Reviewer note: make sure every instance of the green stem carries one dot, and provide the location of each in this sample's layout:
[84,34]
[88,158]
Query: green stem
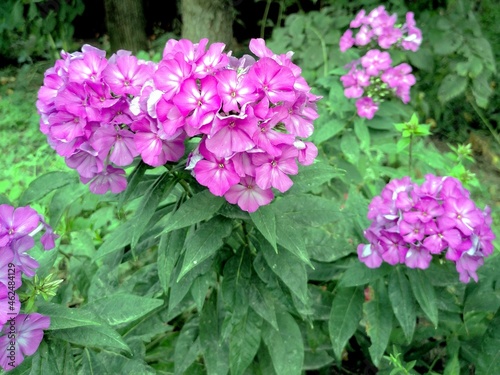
[264,18]
[484,119]
[323,49]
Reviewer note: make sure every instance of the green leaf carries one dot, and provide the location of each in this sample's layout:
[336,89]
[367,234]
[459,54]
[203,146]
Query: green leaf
[423,290]
[445,43]
[361,131]
[169,250]
[214,352]
[326,130]
[45,184]
[200,288]
[402,302]
[285,345]
[122,308]
[451,86]
[265,221]
[481,89]
[378,316]
[201,206]
[488,362]
[205,242]
[346,313]
[350,148]
[62,199]
[101,337]
[288,268]
[115,241]
[153,196]
[236,282]
[187,346]
[312,176]
[453,367]
[244,342]
[262,302]
[358,274]
[132,182]
[62,317]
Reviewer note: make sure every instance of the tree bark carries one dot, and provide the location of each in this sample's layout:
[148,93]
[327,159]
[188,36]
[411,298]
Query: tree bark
[126,25]
[212,19]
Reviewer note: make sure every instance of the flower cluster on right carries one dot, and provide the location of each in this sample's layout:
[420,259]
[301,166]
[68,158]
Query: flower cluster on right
[412,223]
[372,79]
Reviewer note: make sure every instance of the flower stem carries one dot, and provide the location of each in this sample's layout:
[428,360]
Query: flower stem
[323,48]
[410,158]
[264,19]
[484,119]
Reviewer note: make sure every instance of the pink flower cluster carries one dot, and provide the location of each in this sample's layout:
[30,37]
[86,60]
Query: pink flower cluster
[84,107]
[372,79]
[251,117]
[21,334]
[412,223]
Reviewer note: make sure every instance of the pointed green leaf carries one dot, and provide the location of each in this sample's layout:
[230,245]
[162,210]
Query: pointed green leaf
[488,362]
[200,288]
[62,317]
[236,283]
[101,336]
[45,184]
[132,181]
[118,239]
[201,206]
[147,207]
[262,303]
[122,308]
[359,274]
[347,311]
[378,316]
[402,302]
[187,347]
[205,242]
[285,345]
[244,342]
[169,250]
[214,352]
[312,176]
[292,240]
[289,269]
[423,290]
[265,221]
[361,131]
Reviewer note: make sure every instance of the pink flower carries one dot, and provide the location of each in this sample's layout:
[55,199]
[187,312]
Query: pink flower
[16,222]
[274,171]
[346,41]
[28,331]
[126,76]
[274,81]
[248,195]
[366,107]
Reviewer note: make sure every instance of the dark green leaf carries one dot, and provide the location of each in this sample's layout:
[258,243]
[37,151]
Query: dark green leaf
[169,250]
[312,176]
[451,86]
[122,308]
[205,242]
[153,196]
[201,206]
[402,302]
[132,181]
[44,184]
[119,238]
[62,317]
[187,347]
[285,345]
[424,292]
[265,221]
[378,316]
[244,342]
[347,311]
[359,274]
[261,301]
[488,362]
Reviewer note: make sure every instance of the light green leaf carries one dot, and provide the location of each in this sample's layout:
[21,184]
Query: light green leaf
[378,316]
[350,148]
[402,302]
[346,313]
[201,206]
[361,131]
[285,345]
[45,184]
[312,176]
[244,342]
[118,239]
[122,308]
[62,199]
[451,86]
[265,221]
[326,130]
[359,274]
[205,242]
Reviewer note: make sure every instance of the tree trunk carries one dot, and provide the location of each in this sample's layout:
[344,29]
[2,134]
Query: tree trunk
[126,25]
[212,19]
